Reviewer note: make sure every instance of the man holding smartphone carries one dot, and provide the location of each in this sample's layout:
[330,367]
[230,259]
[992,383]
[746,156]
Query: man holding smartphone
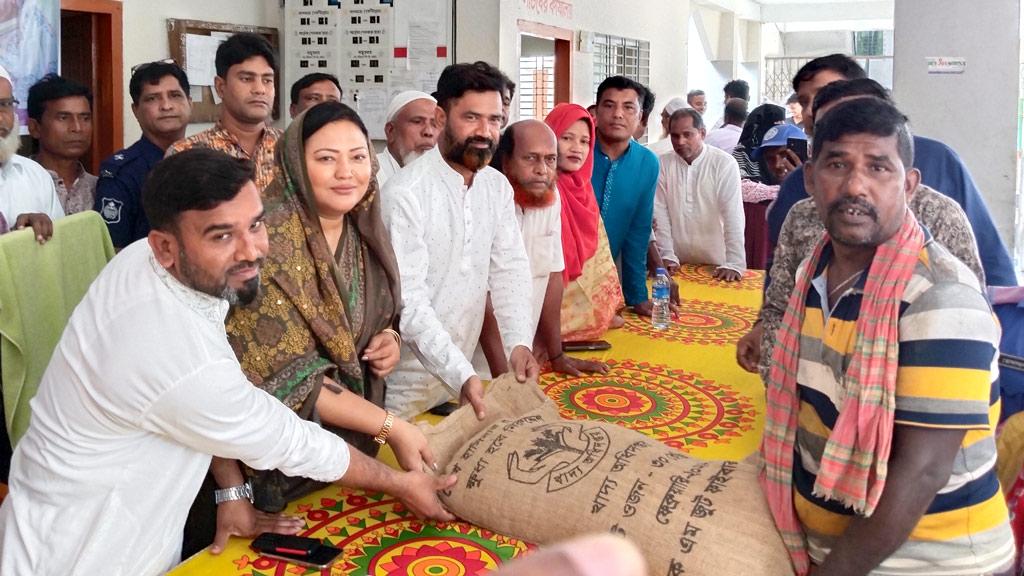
[143,388]
[784,149]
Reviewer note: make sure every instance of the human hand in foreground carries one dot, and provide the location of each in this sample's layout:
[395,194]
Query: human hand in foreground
[241,518]
[473,393]
[748,349]
[38,222]
[382,354]
[523,364]
[727,275]
[564,364]
[418,492]
[410,447]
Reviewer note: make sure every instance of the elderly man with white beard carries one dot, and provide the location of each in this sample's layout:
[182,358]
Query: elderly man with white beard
[410,129]
[27,194]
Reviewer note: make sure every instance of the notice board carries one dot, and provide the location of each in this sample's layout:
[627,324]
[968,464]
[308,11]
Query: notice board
[376,48]
[181,39]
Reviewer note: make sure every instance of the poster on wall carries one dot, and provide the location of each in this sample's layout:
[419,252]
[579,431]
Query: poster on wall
[376,48]
[29,45]
[312,36]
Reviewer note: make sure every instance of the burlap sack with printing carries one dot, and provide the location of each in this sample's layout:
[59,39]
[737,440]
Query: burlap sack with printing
[527,473]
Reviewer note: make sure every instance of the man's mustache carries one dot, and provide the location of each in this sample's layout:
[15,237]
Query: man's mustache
[855,204]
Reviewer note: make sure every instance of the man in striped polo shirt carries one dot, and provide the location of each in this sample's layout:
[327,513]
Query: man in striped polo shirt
[883,394]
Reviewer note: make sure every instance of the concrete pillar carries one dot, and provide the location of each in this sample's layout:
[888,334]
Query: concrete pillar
[974,112]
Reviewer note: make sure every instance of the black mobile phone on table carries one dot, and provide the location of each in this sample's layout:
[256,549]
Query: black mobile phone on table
[296,549]
[586,345]
[798,146]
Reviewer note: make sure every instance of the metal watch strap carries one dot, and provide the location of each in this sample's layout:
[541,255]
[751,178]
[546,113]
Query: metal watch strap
[234,493]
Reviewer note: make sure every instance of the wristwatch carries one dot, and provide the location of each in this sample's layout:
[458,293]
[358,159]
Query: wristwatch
[233,493]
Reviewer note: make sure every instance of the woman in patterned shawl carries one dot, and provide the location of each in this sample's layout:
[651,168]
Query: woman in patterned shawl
[320,337]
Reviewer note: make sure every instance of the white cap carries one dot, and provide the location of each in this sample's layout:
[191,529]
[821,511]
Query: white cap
[677,103]
[400,100]
[6,76]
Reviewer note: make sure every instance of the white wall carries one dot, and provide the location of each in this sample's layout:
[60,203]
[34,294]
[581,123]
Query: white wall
[489,30]
[703,72]
[145,35]
[974,112]
[817,43]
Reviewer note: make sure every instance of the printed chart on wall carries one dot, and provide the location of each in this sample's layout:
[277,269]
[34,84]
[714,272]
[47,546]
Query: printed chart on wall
[376,48]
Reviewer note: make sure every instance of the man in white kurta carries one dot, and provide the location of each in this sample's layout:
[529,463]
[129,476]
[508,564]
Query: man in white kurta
[453,226]
[25,187]
[143,388]
[409,130]
[453,242]
[698,208]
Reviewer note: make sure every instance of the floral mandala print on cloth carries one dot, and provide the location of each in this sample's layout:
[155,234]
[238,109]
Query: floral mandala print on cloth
[682,409]
[698,322]
[704,274]
[379,537]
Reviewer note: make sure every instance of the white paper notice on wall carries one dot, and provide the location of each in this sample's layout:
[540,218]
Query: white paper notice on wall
[946,64]
[200,54]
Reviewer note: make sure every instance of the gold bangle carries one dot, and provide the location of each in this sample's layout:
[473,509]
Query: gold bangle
[394,334]
[385,430]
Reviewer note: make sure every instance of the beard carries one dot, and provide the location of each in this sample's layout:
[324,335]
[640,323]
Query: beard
[10,143]
[528,199]
[411,157]
[467,155]
[200,280]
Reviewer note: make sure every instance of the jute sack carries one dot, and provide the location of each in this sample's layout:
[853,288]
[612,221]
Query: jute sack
[527,473]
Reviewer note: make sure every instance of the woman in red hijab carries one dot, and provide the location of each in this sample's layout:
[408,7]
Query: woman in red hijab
[592,294]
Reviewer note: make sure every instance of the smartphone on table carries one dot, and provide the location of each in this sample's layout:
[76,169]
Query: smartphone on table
[296,549]
[798,146]
[586,345]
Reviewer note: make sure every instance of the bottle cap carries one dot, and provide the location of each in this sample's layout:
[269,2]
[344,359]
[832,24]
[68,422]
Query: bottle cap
[661,271]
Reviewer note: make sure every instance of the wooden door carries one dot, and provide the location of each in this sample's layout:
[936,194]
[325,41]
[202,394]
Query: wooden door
[92,54]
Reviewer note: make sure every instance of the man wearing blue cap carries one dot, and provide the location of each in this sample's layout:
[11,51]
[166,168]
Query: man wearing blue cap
[778,157]
[698,209]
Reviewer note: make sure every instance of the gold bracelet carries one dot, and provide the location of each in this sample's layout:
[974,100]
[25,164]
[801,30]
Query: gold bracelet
[395,334]
[382,436]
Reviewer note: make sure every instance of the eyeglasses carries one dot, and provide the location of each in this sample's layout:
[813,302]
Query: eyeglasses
[145,65]
[8,104]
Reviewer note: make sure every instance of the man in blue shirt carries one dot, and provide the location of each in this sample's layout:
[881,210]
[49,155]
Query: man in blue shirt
[161,104]
[941,169]
[624,179]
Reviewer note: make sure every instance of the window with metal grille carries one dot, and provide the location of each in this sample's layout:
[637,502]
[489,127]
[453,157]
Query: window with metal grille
[536,87]
[616,56]
[868,43]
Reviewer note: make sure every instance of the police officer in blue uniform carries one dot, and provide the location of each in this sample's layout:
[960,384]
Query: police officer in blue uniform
[162,106]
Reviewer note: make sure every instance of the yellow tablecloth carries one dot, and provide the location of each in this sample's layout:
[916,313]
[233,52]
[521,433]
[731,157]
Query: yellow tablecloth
[681,386]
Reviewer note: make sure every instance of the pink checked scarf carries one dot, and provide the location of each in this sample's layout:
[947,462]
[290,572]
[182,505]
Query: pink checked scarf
[855,461]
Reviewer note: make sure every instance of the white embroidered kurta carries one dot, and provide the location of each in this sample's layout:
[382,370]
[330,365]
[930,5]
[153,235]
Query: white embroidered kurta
[542,237]
[27,187]
[388,167]
[453,244]
[698,210]
[142,388]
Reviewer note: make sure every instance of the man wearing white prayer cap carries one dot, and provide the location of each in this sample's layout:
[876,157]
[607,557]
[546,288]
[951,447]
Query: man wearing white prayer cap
[27,194]
[665,144]
[410,131]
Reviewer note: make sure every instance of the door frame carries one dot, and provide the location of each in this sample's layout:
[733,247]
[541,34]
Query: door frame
[563,54]
[108,72]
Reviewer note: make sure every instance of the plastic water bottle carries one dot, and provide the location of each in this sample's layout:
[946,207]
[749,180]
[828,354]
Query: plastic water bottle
[661,315]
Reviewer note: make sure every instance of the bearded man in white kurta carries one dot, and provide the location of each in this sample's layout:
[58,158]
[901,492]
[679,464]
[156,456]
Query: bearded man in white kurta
[453,226]
[143,388]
